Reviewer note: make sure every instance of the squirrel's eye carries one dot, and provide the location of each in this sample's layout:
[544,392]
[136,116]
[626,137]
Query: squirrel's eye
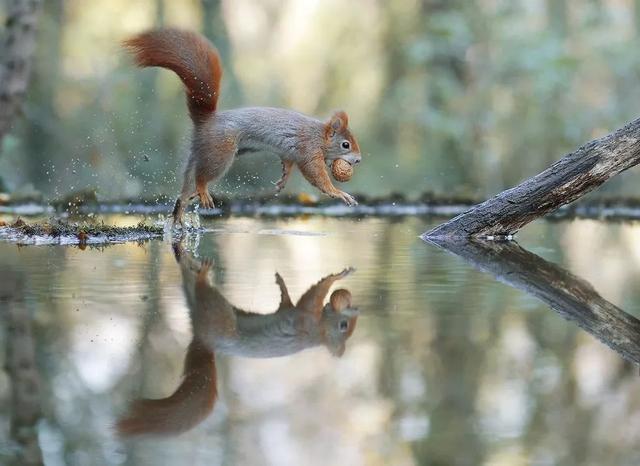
[345,144]
[344,325]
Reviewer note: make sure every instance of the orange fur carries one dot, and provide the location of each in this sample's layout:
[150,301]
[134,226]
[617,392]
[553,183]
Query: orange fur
[192,401]
[315,172]
[339,123]
[193,58]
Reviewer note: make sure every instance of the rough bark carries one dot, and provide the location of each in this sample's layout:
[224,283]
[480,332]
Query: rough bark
[18,48]
[568,179]
[570,296]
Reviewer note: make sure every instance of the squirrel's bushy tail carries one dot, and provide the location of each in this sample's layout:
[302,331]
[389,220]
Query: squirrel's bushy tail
[191,403]
[191,56]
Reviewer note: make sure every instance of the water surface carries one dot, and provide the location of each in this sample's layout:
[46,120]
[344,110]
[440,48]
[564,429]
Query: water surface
[431,362]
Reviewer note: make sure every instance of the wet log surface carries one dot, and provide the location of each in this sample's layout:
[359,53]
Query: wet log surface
[570,296]
[570,178]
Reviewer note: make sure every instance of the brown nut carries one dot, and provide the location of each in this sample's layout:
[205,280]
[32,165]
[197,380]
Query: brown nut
[341,170]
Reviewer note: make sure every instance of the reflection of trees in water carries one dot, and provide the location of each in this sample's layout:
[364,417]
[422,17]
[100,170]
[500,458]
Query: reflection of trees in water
[454,366]
[444,353]
[72,412]
[151,360]
[21,369]
[457,369]
[430,320]
[560,409]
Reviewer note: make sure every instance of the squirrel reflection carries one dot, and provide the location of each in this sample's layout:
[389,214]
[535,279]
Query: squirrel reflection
[220,327]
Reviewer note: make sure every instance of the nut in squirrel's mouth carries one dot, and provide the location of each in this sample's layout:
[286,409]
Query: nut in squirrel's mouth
[330,162]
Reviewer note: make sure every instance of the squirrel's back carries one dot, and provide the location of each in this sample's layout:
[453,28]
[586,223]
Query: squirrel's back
[191,56]
[272,335]
[277,130]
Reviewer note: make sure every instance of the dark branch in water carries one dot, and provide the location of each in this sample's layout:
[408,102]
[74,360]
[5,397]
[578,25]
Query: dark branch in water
[568,179]
[570,296]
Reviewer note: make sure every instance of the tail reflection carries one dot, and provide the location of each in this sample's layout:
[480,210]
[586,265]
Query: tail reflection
[218,326]
[189,405]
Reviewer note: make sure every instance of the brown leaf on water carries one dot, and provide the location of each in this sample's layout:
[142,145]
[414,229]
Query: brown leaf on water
[307,199]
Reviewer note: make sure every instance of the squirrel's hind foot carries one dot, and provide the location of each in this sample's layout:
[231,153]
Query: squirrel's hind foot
[206,201]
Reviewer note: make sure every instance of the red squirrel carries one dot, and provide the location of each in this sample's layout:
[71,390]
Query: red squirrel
[219,327]
[220,136]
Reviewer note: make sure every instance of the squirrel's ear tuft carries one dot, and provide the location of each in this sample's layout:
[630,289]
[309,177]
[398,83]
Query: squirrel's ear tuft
[339,121]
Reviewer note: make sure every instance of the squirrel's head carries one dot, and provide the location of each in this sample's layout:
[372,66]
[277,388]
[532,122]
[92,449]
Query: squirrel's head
[339,320]
[339,142]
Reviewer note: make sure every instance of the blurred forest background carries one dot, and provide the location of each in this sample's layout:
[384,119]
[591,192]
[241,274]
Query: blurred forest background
[451,96]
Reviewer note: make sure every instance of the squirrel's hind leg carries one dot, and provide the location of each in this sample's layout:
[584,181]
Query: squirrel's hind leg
[287,166]
[178,211]
[179,207]
[202,192]
[186,195]
[210,168]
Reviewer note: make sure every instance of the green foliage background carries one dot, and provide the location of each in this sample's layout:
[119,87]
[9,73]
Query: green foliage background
[454,97]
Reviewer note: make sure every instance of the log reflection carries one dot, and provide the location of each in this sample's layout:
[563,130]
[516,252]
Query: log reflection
[570,296]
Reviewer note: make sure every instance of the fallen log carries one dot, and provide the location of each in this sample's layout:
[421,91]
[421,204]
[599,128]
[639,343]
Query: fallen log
[570,178]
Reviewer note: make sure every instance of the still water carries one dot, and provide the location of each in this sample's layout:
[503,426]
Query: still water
[421,357]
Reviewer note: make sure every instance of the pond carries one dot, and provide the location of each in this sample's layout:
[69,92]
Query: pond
[427,358]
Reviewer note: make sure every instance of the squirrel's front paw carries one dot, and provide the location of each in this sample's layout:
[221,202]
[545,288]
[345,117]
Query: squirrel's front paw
[348,199]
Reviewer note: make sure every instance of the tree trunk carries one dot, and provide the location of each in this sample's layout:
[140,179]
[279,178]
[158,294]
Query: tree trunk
[570,296]
[568,179]
[18,50]
[41,139]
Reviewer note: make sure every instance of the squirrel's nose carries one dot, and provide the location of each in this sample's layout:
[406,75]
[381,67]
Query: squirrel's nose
[356,161]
